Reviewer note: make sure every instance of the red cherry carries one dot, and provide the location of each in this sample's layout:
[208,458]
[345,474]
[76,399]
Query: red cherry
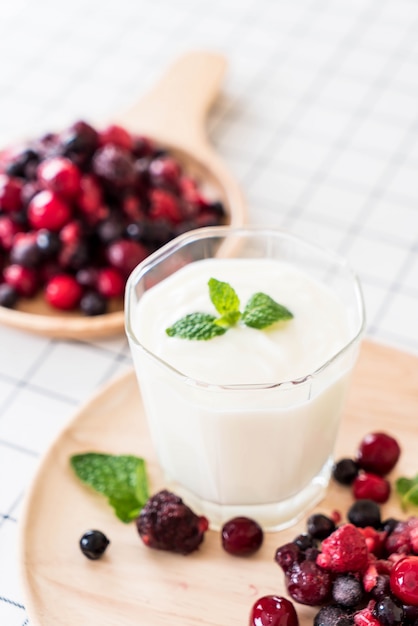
[8,230]
[63,292]
[164,171]
[47,210]
[378,453]
[241,536]
[404,580]
[70,233]
[273,611]
[23,279]
[110,282]
[116,135]
[125,255]
[10,193]
[60,175]
[371,487]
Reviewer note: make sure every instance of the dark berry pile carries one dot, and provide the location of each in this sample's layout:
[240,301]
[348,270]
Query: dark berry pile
[81,208]
[376,456]
[166,523]
[364,572]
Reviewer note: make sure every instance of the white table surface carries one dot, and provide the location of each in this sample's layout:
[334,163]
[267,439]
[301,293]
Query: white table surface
[317,119]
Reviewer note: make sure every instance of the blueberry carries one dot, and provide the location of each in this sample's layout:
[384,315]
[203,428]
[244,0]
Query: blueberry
[8,296]
[388,612]
[345,471]
[304,541]
[93,303]
[48,242]
[320,526]
[332,615]
[347,591]
[364,513]
[93,544]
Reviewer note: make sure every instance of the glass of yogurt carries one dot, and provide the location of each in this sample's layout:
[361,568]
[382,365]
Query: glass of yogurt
[244,423]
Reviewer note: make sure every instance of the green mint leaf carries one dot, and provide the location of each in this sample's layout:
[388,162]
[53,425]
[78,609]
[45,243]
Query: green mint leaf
[120,478]
[403,485]
[199,326]
[262,311]
[223,296]
[228,319]
[412,496]
[407,489]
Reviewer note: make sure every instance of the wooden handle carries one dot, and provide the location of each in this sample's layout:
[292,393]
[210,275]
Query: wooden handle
[175,110]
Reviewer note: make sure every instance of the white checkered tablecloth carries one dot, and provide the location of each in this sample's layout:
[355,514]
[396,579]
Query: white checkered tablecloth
[317,119]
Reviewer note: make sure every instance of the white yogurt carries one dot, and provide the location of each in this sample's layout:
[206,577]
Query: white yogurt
[258,443]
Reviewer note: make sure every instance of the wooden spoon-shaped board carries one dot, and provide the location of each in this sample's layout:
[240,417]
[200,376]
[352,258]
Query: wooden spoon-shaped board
[173,113]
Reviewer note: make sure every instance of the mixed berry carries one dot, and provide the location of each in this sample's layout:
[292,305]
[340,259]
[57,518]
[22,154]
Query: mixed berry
[167,523]
[359,574]
[376,456]
[81,208]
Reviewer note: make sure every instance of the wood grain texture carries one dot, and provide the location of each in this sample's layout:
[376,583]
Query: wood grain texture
[174,114]
[133,584]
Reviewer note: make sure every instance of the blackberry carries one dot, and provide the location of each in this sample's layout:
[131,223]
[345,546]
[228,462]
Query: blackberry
[345,471]
[365,513]
[347,590]
[93,544]
[167,523]
[388,612]
[320,526]
[332,615]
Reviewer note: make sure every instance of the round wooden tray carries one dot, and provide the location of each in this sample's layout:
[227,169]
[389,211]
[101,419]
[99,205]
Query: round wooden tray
[133,584]
[174,114]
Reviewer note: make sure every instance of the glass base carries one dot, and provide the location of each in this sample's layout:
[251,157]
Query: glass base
[271,517]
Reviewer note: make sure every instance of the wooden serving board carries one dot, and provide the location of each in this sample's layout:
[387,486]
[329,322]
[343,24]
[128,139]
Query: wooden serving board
[133,584]
[174,114]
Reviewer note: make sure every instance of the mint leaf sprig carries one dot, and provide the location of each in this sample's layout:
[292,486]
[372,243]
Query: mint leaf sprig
[407,490]
[260,312]
[121,479]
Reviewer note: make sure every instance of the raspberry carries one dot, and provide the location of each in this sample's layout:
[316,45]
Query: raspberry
[163,205]
[345,550]
[371,487]
[365,617]
[166,523]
